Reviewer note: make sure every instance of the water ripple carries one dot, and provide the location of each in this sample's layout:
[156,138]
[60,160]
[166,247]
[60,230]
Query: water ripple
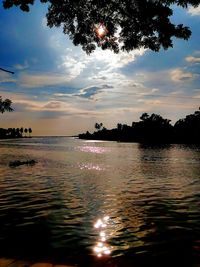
[151,197]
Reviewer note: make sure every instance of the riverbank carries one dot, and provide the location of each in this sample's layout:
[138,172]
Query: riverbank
[151,129]
[9,262]
[5,262]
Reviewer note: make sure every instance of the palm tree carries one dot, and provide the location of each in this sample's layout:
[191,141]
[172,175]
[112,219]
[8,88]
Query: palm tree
[30,131]
[17,132]
[21,130]
[26,131]
[98,126]
[5,105]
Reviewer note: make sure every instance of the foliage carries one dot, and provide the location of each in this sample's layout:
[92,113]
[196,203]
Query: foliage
[129,24]
[188,128]
[13,132]
[153,129]
[6,70]
[5,105]
[98,126]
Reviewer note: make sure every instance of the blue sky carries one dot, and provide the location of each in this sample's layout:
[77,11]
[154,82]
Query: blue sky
[59,90]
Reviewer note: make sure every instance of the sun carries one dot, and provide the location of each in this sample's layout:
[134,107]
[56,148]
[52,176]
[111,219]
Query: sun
[100,30]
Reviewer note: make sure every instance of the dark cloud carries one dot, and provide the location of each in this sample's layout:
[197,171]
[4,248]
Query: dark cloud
[90,92]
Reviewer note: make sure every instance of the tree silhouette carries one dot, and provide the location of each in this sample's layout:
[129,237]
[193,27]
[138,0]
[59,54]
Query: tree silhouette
[119,126]
[5,105]
[30,131]
[6,70]
[98,126]
[187,130]
[21,130]
[115,24]
[150,129]
[144,116]
[26,131]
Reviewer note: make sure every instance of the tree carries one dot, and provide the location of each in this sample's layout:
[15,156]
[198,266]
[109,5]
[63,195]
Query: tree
[187,130]
[98,126]
[6,70]
[21,130]
[5,105]
[144,116]
[119,126]
[30,131]
[26,131]
[115,24]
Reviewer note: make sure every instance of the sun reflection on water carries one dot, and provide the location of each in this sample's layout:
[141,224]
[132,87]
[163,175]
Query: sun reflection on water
[93,149]
[102,248]
[91,166]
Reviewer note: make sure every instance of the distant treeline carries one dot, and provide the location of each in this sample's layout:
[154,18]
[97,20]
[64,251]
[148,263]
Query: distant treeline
[151,129]
[15,132]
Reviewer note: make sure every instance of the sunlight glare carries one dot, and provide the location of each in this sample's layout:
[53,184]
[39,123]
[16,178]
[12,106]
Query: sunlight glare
[101,248]
[100,30]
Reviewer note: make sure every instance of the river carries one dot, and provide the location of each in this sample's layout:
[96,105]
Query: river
[132,204]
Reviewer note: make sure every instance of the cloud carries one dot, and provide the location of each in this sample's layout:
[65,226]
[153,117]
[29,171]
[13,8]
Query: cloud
[22,66]
[178,75]
[192,59]
[44,23]
[99,66]
[91,91]
[154,90]
[88,92]
[72,66]
[62,94]
[53,105]
[194,11]
[115,61]
[6,77]
[41,80]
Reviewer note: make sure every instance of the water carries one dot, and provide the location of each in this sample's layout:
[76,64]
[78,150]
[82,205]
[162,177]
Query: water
[117,203]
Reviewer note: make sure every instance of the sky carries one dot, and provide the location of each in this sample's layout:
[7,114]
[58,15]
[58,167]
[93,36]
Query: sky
[58,89]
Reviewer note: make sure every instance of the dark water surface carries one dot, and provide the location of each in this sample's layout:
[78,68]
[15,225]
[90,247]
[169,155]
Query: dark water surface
[127,203]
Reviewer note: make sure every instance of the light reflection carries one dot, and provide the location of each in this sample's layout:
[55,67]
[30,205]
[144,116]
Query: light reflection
[91,166]
[93,149]
[102,248]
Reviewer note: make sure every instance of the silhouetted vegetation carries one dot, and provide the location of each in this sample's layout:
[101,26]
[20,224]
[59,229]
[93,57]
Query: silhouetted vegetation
[152,129]
[5,105]
[17,163]
[13,133]
[144,23]
[187,130]
[8,71]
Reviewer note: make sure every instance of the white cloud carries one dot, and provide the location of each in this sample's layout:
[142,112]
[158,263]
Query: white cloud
[44,23]
[62,94]
[99,66]
[23,66]
[6,77]
[155,90]
[192,59]
[178,75]
[58,107]
[115,61]
[72,66]
[194,11]
[40,80]
[55,41]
